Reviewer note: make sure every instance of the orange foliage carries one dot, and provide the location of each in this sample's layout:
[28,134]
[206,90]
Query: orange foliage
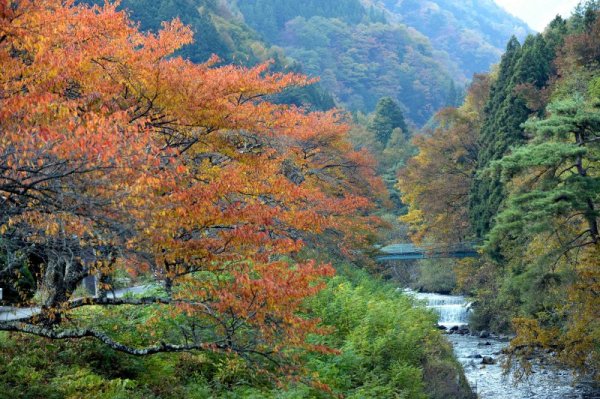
[131,157]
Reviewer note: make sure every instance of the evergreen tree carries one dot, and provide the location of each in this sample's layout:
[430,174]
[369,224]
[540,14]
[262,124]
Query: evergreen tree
[556,175]
[388,116]
[555,32]
[505,112]
[584,16]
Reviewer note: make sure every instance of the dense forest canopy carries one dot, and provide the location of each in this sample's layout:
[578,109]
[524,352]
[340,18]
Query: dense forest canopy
[472,33]
[415,52]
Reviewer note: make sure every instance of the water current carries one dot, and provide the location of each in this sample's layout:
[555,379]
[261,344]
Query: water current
[489,380]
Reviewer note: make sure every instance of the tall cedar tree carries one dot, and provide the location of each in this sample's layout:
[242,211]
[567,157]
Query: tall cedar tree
[506,110]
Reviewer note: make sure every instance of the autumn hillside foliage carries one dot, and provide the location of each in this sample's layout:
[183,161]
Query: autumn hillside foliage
[116,156]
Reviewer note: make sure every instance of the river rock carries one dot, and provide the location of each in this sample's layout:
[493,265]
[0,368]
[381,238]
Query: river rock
[484,334]
[454,328]
[488,360]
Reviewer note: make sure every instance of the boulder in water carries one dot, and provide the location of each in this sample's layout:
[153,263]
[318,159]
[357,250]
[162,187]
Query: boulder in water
[484,334]
[488,360]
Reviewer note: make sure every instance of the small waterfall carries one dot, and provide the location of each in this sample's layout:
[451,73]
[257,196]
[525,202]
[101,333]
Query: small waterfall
[453,309]
[489,380]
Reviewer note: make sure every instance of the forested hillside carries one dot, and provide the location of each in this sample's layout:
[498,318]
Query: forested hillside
[472,33]
[418,53]
[516,168]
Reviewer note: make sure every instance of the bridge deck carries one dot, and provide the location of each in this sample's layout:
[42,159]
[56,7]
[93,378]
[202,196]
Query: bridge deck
[411,251]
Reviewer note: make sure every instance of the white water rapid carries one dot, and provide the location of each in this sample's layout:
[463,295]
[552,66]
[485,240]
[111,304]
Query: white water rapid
[453,310]
[488,380]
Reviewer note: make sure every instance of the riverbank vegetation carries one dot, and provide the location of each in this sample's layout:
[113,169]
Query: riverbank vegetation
[381,345]
[516,168]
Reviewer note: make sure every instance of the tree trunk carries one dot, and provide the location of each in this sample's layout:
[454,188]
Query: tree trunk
[590,212]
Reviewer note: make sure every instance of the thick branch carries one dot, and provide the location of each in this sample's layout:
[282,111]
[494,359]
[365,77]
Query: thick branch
[85,333]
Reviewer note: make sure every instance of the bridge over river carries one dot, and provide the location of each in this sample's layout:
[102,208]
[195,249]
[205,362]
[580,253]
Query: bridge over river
[427,251]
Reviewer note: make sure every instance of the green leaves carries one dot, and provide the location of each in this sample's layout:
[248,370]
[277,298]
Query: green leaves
[553,176]
[548,155]
[388,116]
[506,110]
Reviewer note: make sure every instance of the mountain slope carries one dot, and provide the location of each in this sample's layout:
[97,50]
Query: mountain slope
[359,56]
[419,53]
[472,32]
[414,51]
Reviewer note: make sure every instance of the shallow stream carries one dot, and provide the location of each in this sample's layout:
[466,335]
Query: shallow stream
[488,380]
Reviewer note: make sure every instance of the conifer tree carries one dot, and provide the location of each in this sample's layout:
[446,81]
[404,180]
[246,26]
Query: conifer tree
[556,176]
[505,112]
[388,116]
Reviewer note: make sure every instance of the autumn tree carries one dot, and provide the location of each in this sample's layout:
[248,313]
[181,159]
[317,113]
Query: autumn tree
[436,182]
[117,156]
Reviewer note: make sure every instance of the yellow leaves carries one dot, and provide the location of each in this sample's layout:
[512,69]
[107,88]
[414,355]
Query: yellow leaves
[436,182]
[52,229]
[530,333]
[575,338]
[414,216]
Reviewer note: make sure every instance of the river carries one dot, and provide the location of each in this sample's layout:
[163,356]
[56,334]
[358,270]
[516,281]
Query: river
[488,380]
